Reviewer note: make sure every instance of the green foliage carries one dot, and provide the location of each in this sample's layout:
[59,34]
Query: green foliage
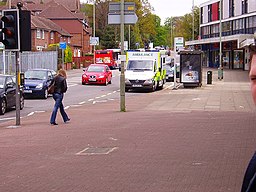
[67,52]
[147,29]
[68,55]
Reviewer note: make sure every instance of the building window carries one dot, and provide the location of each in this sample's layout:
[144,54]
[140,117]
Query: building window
[69,40]
[51,35]
[244,6]
[201,15]
[226,28]
[250,25]
[215,30]
[231,8]
[238,26]
[42,34]
[209,13]
[38,34]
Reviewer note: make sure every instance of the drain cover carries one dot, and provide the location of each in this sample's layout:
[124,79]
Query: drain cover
[97,151]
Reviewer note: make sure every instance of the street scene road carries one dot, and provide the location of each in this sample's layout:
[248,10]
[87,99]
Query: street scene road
[78,94]
[190,139]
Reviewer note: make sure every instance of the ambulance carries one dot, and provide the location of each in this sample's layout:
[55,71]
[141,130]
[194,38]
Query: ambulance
[144,70]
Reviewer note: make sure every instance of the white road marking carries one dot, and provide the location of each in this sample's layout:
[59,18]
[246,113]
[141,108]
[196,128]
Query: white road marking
[66,107]
[81,103]
[32,113]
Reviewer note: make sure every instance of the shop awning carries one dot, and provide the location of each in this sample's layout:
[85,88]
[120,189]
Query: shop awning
[242,40]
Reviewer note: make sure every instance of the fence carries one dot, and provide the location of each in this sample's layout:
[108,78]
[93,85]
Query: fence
[28,60]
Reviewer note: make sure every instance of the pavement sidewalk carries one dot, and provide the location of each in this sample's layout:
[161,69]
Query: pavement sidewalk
[185,140]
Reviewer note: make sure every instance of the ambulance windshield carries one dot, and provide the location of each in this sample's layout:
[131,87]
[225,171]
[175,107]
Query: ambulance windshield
[144,65]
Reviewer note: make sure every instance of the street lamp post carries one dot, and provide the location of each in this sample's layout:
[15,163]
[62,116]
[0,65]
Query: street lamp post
[94,28]
[220,69]
[193,22]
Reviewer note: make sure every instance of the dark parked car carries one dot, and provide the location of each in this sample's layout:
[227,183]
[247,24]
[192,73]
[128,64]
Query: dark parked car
[37,82]
[8,93]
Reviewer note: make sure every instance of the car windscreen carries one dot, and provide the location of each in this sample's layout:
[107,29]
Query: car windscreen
[140,65]
[36,75]
[95,68]
[167,67]
[2,81]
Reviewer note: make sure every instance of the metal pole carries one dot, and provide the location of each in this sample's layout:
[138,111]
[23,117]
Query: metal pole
[220,69]
[129,46]
[193,22]
[62,51]
[17,94]
[171,34]
[94,28]
[122,77]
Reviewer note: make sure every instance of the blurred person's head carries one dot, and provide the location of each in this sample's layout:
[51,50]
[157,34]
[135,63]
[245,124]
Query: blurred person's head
[252,74]
[62,73]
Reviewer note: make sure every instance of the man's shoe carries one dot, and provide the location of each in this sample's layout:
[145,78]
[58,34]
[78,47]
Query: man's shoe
[54,123]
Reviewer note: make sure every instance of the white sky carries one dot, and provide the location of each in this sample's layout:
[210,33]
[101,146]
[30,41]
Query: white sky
[170,8]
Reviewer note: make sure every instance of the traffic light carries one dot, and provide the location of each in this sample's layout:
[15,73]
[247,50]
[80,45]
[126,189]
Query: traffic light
[10,29]
[25,30]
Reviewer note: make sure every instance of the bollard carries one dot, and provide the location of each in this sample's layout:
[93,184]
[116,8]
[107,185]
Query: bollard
[209,77]
[220,73]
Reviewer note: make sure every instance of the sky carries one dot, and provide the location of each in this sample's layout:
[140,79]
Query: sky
[171,8]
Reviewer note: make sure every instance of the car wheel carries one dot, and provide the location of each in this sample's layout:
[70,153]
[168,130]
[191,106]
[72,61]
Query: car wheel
[21,102]
[3,106]
[45,94]
[83,83]
[126,89]
[110,81]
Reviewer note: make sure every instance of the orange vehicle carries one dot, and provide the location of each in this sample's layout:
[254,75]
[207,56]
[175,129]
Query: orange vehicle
[108,57]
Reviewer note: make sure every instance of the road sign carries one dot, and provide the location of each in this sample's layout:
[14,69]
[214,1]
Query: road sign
[178,44]
[129,18]
[94,40]
[63,45]
[115,7]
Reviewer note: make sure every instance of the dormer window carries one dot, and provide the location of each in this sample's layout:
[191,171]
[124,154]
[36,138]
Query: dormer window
[38,34]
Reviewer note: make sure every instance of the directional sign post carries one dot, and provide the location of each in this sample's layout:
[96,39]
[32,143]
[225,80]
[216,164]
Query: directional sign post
[94,40]
[114,15]
[63,46]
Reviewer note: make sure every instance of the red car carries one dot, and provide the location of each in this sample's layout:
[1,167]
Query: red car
[97,74]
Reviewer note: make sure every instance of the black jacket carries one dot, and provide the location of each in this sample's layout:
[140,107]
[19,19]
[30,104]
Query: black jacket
[60,84]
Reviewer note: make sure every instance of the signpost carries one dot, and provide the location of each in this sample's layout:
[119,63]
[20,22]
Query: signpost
[94,40]
[114,15]
[120,14]
[63,46]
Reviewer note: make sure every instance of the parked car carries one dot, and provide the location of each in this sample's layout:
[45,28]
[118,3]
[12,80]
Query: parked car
[170,72]
[97,74]
[37,82]
[8,93]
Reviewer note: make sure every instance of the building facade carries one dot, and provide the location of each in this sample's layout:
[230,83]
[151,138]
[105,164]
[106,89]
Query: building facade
[229,32]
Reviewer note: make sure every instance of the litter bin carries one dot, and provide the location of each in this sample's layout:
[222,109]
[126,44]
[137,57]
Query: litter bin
[209,77]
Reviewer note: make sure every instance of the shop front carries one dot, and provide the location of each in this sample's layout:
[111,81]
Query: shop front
[232,58]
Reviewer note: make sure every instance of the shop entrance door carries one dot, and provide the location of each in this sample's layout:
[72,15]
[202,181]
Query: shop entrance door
[238,59]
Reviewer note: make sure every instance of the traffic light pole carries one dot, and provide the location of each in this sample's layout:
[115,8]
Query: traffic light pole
[17,54]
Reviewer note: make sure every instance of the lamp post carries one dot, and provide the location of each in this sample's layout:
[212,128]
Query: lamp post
[220,69]
[94,29]
[193,21]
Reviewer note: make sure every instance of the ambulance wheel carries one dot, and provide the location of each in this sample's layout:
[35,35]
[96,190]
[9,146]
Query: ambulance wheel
[153,87]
